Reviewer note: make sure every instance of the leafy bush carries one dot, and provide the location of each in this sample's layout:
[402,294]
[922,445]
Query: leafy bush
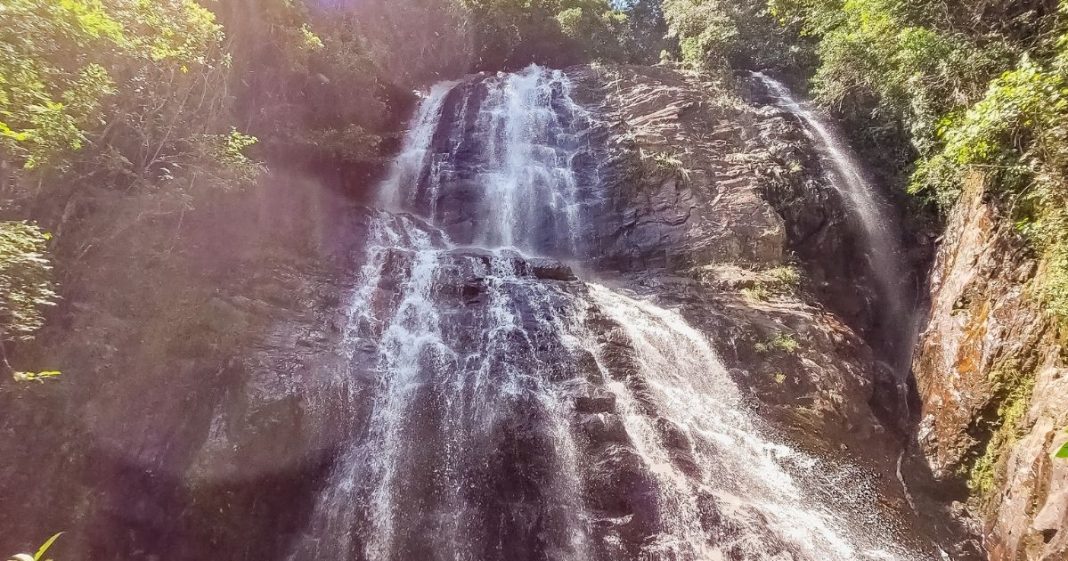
[26,286]
[511,33]
[1017,136]
[138,82]
[49,85]
[783,342]
[757,293]
[704,29]
[712,34]
[780,280]
[785,277]
[25,279]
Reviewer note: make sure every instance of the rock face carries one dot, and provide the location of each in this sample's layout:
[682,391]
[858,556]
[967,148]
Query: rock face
[721,205]
[606,313]
[992,382]
[194,345]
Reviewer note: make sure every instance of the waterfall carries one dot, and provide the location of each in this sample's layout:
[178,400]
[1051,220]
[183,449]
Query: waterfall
[489,363]
[751,484]
[412,162]
[874,218]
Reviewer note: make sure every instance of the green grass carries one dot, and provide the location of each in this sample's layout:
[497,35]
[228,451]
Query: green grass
[666,162]
[781,280]
[783,342]
[757,293]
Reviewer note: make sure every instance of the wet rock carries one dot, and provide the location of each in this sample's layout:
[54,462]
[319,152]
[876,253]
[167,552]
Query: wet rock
[618,484]
[550,269]
[601,428]
[595,401]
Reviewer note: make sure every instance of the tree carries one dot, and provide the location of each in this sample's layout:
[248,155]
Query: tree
[714,34]
[514,33]
[124,90]
[704,30]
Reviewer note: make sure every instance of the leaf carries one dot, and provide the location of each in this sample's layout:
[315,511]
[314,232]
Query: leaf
[1063,452]
[44,548]
[36,376]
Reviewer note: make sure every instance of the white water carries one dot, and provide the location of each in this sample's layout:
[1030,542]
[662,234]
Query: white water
[415,156]
[529,156]
[431,474]
[874,217]
[767,513]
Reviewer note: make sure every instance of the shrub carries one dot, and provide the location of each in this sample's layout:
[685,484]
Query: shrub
[26,286]
[783,342]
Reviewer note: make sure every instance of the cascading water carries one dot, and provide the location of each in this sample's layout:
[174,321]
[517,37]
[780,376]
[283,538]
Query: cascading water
[887,263]
[733,494]
[492,370]
[874,218]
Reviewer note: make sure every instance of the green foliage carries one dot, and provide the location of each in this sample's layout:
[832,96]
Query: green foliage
[26,289]
[914,73]
[665,162]
[1017,136]
[309,39]
[595,28]
[41,551]
[785,276]
[892,69]
[26,286]
[1015,390]
[712,34]
[783,342]
[135,82]
[312,89]
[40,377]
[780,280]
[235,169]
[1062,450]
[350,145]
[517,32]
[704,29]
[757,293]
[645,38]
[1008,131]
[973,93]
[49,87]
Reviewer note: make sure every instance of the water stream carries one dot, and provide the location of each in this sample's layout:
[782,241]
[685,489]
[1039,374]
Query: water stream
[490,371]
[876,220]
